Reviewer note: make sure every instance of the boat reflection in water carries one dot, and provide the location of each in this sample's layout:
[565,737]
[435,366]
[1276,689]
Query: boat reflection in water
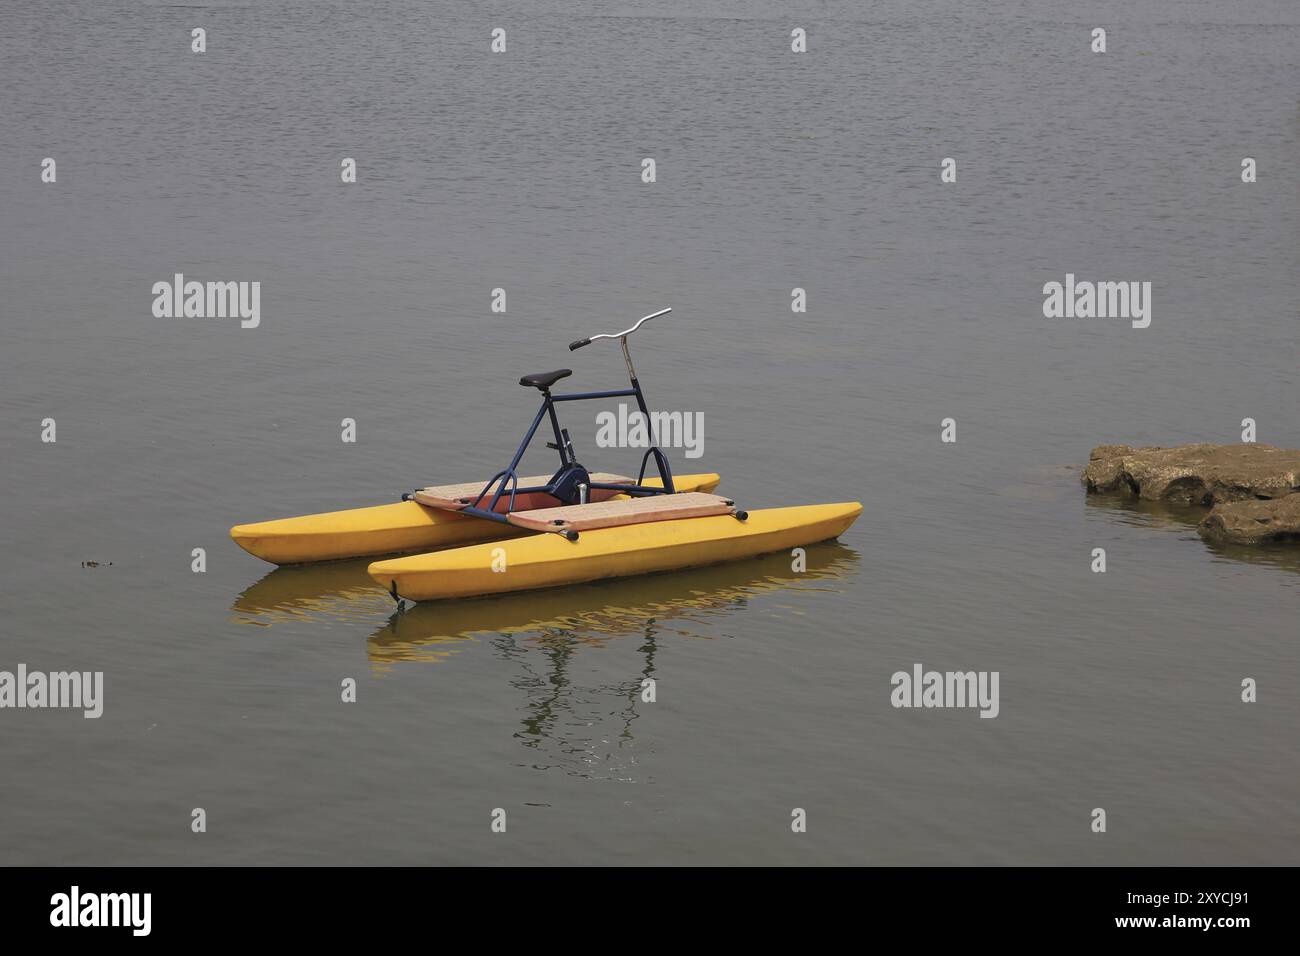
[589,613]
[602,611]
[340,591]
[578,710]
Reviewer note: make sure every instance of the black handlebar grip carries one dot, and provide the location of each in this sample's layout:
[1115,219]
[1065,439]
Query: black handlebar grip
[574,346]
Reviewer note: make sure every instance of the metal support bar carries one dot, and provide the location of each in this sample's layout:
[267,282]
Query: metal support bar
[584,396]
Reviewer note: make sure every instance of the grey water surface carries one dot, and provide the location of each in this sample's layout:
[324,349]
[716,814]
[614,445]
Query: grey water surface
[522,171]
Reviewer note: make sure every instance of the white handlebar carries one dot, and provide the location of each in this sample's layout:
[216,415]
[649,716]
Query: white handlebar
[618,335]
[641,321]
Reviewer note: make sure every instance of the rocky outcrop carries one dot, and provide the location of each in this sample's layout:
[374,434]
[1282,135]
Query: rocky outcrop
[1202,474]
[1255,521]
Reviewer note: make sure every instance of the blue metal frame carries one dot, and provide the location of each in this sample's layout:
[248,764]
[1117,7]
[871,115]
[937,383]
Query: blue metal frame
[508,478]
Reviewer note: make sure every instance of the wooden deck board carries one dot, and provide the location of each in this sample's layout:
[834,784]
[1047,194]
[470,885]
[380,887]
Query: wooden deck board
[610,514]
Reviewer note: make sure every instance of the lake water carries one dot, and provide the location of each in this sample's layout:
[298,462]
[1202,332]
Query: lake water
[522,171]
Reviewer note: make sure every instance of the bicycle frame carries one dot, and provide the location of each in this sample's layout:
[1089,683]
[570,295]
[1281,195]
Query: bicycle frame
[571,476]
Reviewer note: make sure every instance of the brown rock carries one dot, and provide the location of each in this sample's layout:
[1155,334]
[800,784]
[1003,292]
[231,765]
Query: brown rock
[1253,521]
[1203,474]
